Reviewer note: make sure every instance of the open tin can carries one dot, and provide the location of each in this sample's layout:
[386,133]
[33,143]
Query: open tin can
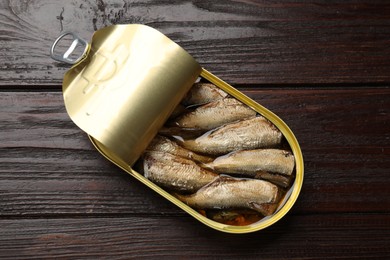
[123,91]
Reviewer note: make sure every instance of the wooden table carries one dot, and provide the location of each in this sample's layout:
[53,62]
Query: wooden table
[322,66]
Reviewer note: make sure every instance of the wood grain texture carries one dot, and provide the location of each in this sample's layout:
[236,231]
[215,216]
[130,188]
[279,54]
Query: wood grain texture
[322,66]
[295,237]
[48,166]
[243,42]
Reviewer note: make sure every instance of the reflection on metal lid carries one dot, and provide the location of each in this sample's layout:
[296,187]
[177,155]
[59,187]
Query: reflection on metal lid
[127,86]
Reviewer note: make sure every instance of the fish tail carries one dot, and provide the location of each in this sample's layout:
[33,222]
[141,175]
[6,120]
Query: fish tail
[191,145]
[200,158]
[208,166]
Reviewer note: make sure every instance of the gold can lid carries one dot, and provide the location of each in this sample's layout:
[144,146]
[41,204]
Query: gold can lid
[131,79]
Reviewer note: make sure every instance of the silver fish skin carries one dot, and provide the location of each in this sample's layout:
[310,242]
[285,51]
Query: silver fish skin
[249,162]
[164,144]
[180,133]
[215,114]
[229,192]
[278,179]
[252,133]
[202,93]
[175,173]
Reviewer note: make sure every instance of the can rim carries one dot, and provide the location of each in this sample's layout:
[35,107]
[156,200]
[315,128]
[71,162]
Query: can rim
[291,139]
[261,224]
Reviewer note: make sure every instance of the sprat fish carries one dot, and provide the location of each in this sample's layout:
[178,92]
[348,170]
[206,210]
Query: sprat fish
[278,179]
[201,93]
[236,217]
[252,133]
[249,162]
[229,192]
[215,114]
[164,144]
[175,173]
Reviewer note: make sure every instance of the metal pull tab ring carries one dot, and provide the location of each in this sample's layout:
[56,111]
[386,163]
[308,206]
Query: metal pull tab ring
[66,56]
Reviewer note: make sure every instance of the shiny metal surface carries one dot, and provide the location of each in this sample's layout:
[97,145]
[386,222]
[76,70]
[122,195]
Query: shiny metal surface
[127,86]
[286,204]
[66,56]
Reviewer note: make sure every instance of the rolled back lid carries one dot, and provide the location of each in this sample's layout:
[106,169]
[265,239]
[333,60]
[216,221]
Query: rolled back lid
[127,86]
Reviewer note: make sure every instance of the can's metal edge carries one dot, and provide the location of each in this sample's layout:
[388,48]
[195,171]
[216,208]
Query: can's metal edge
[286,131]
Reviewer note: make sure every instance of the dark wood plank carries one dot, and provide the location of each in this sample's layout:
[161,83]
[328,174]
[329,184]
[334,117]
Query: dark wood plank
[258,42]
[49,168]
[345,138]
[296,237]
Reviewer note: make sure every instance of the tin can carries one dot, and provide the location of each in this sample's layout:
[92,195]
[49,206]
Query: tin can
[124,87]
